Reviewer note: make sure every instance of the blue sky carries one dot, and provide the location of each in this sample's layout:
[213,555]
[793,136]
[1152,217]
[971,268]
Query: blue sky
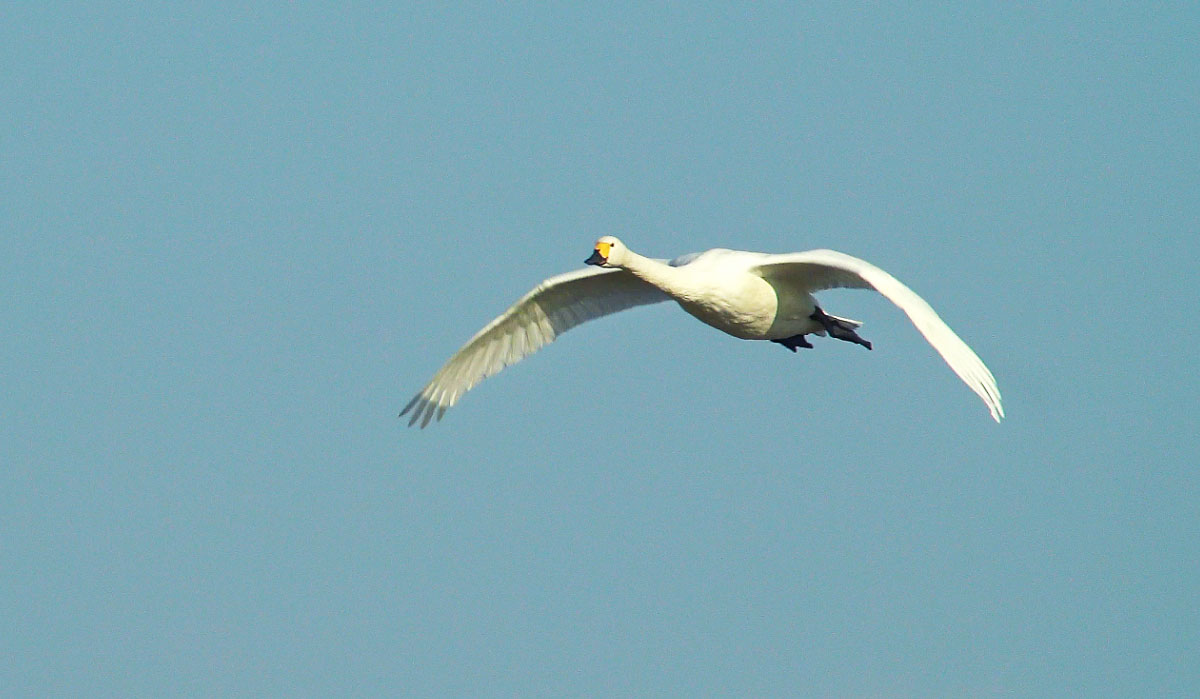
[238,239]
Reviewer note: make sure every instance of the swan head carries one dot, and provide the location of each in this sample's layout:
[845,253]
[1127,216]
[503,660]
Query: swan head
[608,252]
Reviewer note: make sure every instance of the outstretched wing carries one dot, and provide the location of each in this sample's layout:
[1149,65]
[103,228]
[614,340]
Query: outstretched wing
[552,308]
[815,270]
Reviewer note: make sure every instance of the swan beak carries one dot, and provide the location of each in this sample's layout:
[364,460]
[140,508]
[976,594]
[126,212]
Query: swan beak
[595,259]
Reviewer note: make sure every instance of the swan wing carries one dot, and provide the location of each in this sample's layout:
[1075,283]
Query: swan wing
[816,270]
[550,309]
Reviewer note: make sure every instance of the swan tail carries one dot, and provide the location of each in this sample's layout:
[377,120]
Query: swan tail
[847,321]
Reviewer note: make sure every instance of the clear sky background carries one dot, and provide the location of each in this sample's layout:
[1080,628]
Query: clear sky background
[237,240]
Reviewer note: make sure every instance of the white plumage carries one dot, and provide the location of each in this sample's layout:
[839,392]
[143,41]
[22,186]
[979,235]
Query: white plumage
[750,295]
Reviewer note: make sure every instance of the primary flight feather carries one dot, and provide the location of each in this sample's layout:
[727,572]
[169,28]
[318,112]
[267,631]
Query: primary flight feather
[750,295]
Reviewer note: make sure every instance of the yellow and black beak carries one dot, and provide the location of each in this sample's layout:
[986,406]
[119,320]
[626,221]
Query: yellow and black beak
[599,255]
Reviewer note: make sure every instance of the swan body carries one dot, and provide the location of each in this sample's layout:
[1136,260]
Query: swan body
[750,295]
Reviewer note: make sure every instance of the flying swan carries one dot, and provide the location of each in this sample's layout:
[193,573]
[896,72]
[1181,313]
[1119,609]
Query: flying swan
[751,295]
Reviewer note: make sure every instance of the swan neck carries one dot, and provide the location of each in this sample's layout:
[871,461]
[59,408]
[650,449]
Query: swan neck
[652,271]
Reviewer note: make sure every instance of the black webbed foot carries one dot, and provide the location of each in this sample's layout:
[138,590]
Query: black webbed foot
[794,342]
[837,328]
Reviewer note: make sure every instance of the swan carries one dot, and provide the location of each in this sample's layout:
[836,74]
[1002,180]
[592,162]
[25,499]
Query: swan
[750,295]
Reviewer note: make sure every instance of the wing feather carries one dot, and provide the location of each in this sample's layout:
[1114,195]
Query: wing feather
[817,270]
[549,310]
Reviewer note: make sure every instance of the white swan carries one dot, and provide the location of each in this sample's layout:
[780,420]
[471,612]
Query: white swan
[751,295]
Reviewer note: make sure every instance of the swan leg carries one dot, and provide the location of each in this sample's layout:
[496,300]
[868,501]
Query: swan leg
[794,341]
[837,328]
